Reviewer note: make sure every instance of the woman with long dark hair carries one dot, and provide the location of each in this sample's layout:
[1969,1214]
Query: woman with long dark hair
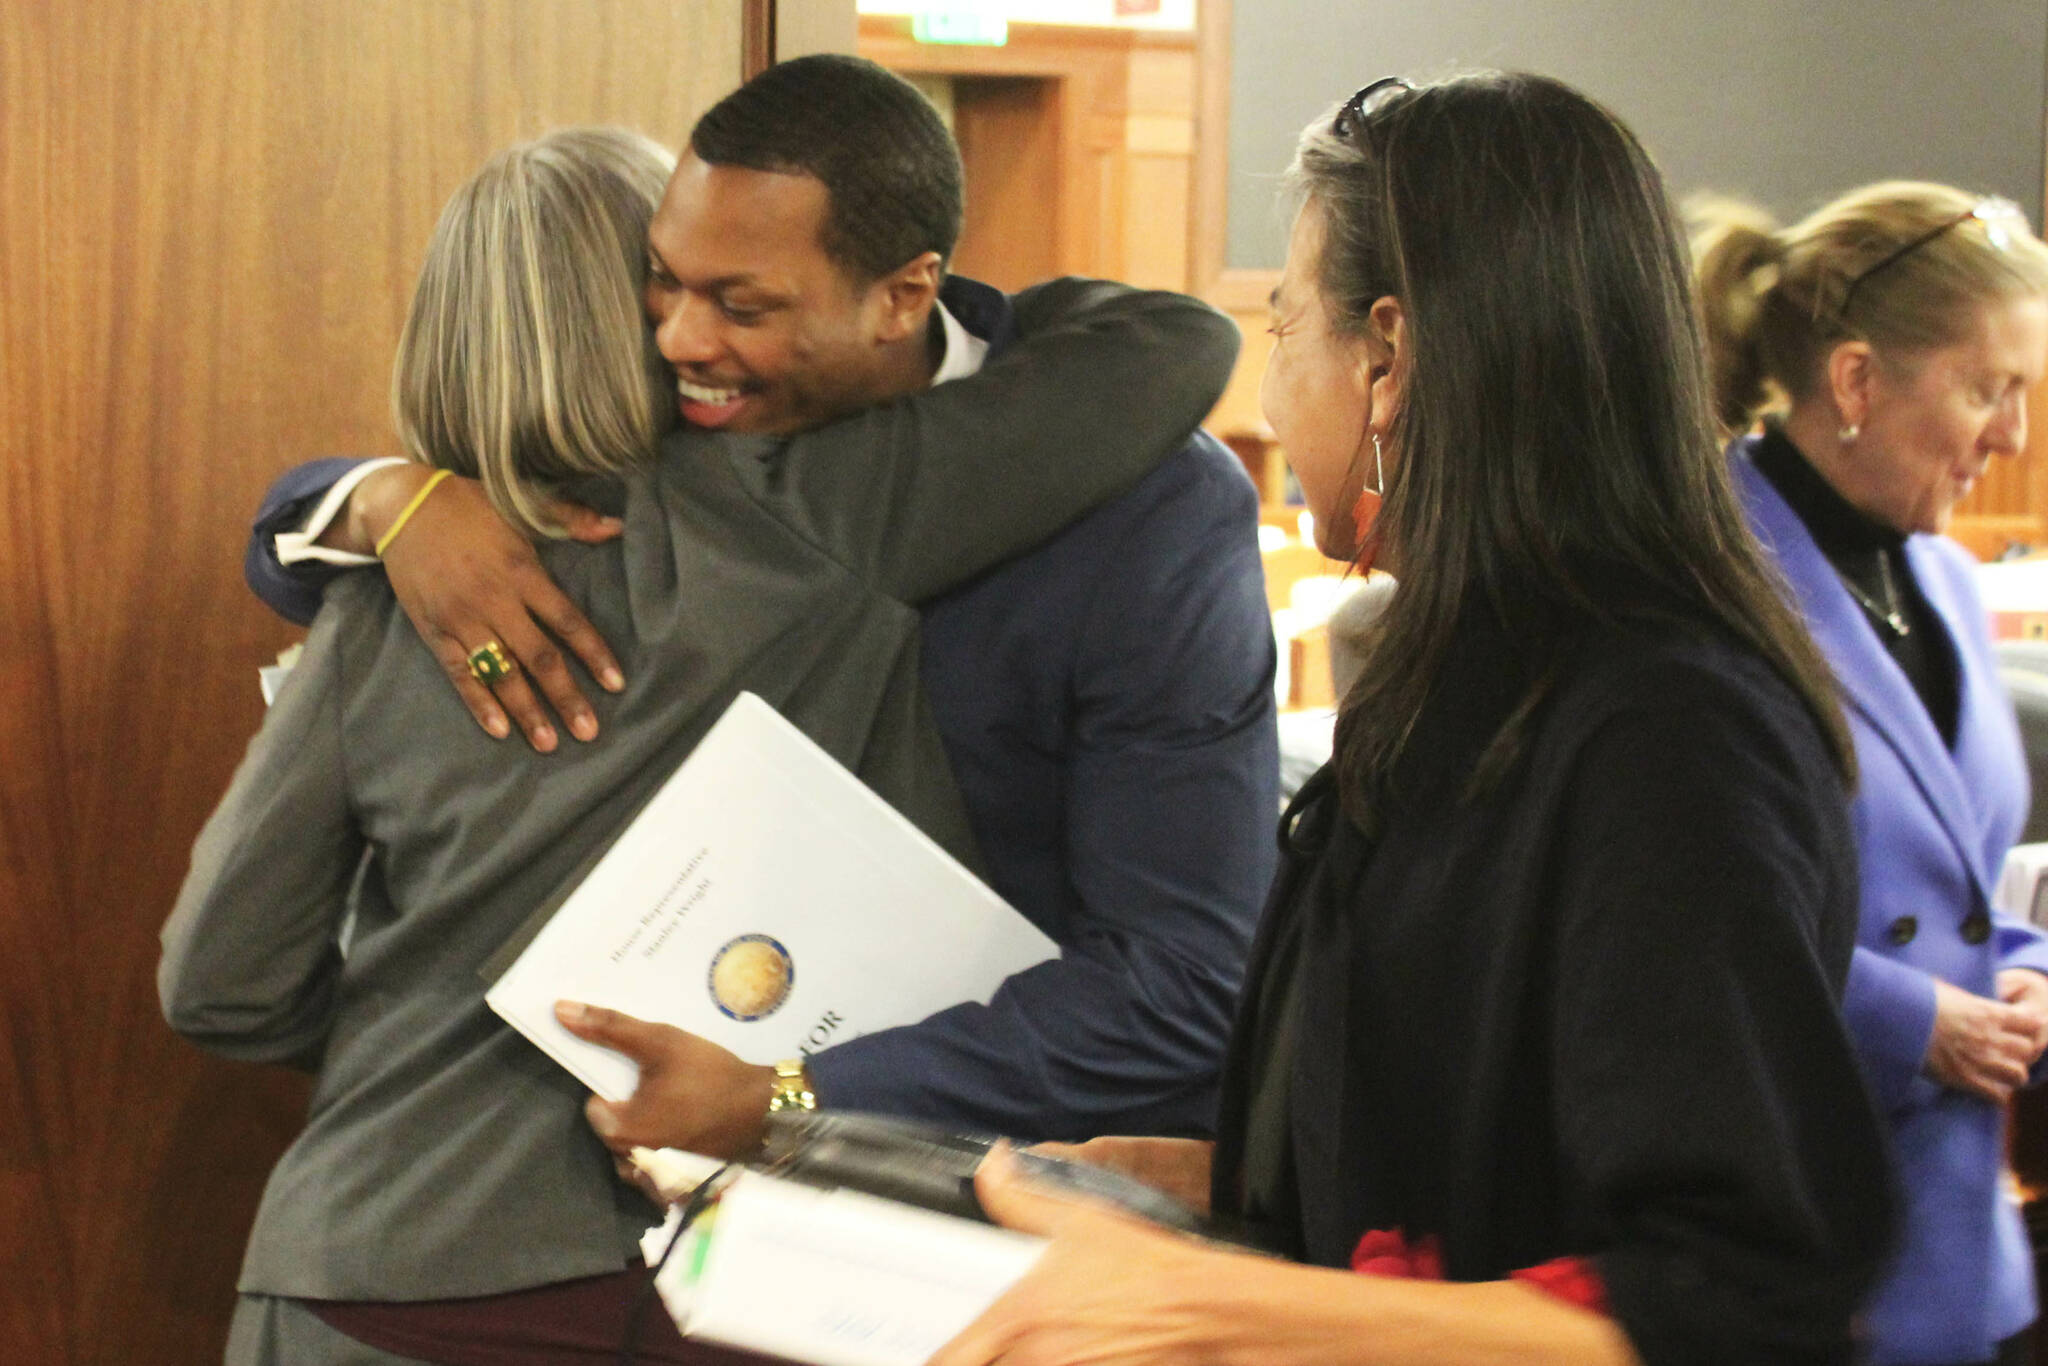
[1545,1001]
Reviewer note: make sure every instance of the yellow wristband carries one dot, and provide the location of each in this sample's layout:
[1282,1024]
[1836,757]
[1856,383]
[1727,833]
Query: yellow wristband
[384,541]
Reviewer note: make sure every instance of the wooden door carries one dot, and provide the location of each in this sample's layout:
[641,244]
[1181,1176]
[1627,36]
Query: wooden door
[211,212]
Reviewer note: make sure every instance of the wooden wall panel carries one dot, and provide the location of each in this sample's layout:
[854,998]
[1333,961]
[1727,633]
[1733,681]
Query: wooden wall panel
[2010,503]
[1108,114]
[1159,142]
[1238,409]
[213,213]
[1008,131]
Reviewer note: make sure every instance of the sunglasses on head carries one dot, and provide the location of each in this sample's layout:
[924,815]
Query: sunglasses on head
[1370,99]
[1994,213]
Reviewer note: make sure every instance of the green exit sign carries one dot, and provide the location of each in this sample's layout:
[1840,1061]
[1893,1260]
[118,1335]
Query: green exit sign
[964,27]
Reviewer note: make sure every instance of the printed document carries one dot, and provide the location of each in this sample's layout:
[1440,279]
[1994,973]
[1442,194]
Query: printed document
[831,1277]
[767,900]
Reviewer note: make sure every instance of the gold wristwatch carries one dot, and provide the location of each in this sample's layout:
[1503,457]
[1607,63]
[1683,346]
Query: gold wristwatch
[792,1087]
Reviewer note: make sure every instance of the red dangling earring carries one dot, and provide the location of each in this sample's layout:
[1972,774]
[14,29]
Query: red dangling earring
[1365,513]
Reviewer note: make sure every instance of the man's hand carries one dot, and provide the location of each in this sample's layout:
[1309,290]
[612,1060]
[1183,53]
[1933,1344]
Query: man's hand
[1981,1046]
[464,577]
[692,1095]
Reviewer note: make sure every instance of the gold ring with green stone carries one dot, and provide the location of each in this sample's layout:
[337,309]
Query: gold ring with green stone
[489,664]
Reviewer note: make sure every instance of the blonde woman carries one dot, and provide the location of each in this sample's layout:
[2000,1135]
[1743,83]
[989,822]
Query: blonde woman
[447,1200]
[1893,335]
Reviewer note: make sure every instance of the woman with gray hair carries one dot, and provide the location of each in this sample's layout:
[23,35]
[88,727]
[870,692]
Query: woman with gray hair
[1893,335]
[525,362]
[1545,1000]
[446,1200]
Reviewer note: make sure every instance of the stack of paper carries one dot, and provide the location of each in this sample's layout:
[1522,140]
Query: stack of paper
[767,900]
[834,1277]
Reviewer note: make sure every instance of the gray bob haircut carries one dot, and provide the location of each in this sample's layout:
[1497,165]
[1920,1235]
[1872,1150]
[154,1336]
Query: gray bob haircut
[526,360]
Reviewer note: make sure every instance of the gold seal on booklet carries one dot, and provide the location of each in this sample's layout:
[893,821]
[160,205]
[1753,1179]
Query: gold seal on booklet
[751,977]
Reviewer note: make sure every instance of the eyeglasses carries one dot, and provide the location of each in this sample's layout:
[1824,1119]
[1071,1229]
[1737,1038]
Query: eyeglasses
[1369,100]
[1990,212]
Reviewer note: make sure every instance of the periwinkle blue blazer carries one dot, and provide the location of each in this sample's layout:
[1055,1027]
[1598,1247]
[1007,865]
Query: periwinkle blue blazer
[1932,829]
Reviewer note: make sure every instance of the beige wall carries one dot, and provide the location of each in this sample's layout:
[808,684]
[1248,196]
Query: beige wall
[806,26]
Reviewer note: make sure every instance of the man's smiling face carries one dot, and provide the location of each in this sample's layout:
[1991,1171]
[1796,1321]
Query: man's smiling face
[765,332]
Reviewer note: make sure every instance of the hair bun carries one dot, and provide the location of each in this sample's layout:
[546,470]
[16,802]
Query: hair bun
[1739,260]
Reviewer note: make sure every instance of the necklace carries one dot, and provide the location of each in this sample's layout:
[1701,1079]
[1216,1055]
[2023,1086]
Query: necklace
[1888,613]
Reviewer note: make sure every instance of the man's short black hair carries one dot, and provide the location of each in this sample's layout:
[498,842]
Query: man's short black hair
[877,144]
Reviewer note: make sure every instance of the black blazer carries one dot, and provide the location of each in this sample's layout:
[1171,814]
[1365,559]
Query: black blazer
[1592,1013]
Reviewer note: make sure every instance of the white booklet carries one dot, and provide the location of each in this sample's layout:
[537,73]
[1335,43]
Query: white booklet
[831,1277]
[767,900]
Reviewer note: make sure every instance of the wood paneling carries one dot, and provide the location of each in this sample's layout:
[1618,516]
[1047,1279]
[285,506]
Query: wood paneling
[2010,503]
[213,213]
[1240,293]
[1208,219]
[1008,131]
[1109,114]
[1238,409]
[757,37]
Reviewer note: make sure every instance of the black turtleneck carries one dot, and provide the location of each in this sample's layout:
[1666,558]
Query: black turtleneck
[1861,549]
